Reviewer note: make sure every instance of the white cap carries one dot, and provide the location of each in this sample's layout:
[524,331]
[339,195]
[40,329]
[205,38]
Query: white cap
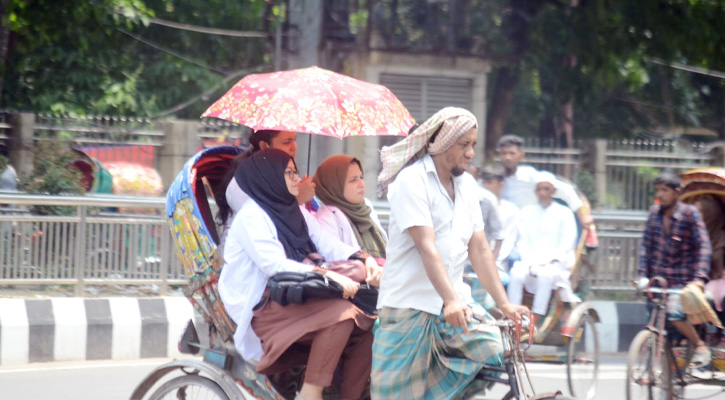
[544,176]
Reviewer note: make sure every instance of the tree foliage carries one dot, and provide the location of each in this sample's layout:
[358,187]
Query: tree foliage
[109,57]
[618,82]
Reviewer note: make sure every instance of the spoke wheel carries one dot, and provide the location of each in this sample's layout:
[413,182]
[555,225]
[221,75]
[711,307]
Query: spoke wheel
[648,374]
[189,387]
[582,359]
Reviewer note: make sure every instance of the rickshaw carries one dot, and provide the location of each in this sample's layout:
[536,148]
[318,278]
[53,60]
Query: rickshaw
[658,357]
[222,373]
[570,327]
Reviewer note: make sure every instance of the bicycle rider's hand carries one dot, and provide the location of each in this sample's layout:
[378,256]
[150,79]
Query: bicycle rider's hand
[514,311]
[349,287]
[457,314]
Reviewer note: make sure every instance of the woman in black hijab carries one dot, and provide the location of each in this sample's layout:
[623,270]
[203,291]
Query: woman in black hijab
[269,235]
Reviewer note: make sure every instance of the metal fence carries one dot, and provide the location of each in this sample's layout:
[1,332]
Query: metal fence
[105,138]
[544,154]
[632,165]
[100,247]
[96,246]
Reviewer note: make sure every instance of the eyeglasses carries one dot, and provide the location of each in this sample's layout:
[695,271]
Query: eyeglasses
[292,174]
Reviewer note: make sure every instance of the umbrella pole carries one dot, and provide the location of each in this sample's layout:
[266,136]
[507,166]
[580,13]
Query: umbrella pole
[309,152]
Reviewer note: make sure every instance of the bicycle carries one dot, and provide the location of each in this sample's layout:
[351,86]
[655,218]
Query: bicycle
[657,368]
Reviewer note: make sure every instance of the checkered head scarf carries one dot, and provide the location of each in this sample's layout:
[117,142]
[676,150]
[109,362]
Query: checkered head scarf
[450,123]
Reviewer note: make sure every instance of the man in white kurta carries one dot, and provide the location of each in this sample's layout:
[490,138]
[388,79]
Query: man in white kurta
[546,244]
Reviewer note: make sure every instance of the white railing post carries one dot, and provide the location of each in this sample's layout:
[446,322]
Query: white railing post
[81,255]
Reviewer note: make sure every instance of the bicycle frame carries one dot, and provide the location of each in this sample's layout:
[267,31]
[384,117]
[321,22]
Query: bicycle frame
[517,376]
[658,322]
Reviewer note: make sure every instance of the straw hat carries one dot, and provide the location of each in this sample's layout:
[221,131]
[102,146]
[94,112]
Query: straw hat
[696,306]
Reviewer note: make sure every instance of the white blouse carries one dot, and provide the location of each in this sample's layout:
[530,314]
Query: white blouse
[334,222]
[252,253]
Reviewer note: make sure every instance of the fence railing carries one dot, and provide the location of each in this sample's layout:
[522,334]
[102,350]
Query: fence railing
[626,168]
[93,247]
[99,247]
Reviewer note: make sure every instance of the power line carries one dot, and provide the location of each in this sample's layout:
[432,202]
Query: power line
[157,47]
[689,68]
[193,100]
[211,31]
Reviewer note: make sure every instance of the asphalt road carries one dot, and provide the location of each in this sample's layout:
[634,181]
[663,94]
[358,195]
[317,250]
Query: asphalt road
[113,380]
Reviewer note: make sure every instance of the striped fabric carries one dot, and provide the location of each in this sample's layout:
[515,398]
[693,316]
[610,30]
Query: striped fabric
[417,355]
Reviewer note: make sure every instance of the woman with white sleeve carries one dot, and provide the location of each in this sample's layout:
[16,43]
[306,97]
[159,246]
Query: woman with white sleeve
[269,235]
[345,212]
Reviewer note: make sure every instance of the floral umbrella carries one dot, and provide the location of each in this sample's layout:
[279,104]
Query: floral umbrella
[313,100]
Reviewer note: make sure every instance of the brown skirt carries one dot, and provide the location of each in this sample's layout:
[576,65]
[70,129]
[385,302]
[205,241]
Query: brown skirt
[281,327]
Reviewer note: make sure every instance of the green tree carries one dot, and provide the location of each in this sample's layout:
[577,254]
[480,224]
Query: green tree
[113,56]
[53,174]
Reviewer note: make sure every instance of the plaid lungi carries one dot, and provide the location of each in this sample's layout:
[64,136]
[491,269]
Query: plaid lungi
[417,355]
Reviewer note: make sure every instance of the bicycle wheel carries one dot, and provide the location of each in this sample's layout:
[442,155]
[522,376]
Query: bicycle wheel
[189,387]
[582,359]
[648,374]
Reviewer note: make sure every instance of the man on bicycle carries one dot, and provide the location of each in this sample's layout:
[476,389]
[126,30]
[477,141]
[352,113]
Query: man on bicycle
[423,347]
[676,247]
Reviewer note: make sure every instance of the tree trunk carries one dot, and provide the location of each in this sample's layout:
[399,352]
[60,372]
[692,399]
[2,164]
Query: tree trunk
[721,131]
[498,114]
[565,127]
[4,40]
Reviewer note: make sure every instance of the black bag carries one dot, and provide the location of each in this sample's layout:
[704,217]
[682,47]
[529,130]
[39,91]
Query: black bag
[297,287]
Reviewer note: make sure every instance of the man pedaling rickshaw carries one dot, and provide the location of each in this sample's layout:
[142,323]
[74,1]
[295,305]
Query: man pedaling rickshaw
[676,246]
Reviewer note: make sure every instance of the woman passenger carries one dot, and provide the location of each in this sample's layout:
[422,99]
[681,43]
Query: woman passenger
[269,235]
[230,196]
[345,212]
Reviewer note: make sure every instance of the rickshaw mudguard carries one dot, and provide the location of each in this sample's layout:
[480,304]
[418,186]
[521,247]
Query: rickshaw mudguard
[576,314]
[218,375]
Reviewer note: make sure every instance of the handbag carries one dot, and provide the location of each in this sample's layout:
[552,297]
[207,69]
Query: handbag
[297,287]
[351,268]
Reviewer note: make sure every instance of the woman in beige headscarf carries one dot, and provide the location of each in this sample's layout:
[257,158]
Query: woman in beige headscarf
[345,212]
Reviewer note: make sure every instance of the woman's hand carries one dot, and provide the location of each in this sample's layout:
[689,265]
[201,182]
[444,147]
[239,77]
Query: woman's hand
[307,190]
[374,272]
[349,287]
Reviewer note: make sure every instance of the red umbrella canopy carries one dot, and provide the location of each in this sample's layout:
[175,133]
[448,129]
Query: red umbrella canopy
[313,100]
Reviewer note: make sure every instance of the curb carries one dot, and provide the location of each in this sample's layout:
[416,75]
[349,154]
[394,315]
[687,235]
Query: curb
[76,329]
[124,328]
[618,324]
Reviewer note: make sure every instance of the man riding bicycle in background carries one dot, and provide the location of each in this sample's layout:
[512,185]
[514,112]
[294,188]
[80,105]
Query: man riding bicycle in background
[676,247]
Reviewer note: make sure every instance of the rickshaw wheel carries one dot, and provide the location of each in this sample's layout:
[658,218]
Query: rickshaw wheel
[582,366]
[189,387]
[647,379]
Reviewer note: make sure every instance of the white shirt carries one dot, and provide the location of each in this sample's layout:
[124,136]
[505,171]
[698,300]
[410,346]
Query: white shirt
[252,253]
[520,188]
[547,234]
[334,222]
[508,213]
[417,198]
